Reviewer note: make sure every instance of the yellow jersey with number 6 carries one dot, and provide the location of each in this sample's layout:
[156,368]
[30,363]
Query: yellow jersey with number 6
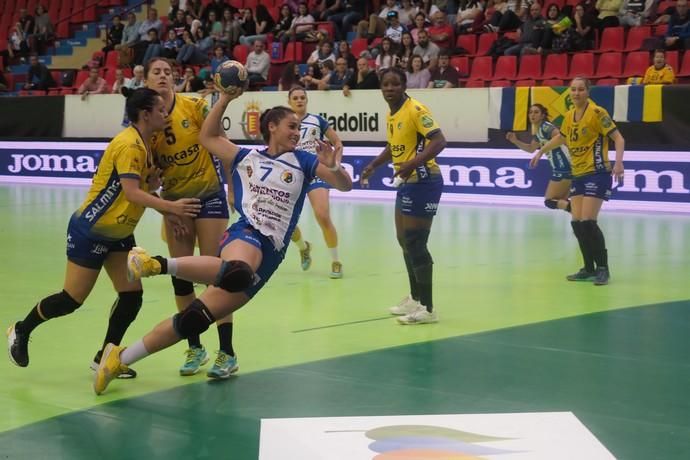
[587,139]
[408,131]
[189,170]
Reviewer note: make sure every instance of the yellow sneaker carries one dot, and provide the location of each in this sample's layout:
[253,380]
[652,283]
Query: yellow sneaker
[109,368]
[336,270]
[140,264]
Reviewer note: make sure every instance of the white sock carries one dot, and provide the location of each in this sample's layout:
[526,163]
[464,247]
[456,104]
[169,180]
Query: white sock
[301,244]
[334,253]
[134,353]
[172,267]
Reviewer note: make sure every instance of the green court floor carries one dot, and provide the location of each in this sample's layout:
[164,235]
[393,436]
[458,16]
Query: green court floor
[513,336]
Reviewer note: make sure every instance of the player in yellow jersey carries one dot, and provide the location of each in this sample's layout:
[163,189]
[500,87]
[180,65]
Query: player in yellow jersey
[659,73]
[100,232]
[586,130]
[414,140]
[189,170]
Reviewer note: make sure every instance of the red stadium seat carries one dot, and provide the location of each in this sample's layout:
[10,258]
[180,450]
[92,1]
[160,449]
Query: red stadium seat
[461,63]
[112,59]
[672,60]
[500,84]
[552,82]
[636,37]
[482,68]
[526,83]
[607,82]
[684,70]
[582,65]
[467,42]
[530,67]
[474,84]
[240,52]
[610,65]
[82,75]
[636,64]
[506,68]
[358,45]
[485,42]
[660,30]
[612,39]
[556,66]
[664,5]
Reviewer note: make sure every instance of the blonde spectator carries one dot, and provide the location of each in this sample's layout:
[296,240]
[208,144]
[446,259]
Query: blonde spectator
[120,81]
[138,80]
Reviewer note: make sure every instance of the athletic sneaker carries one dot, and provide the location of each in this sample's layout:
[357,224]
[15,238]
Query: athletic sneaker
[224,366]
[336,270]
[419,316]
[127,373]
[405,306]
[196,357]
[582,275]
[602,276]
[305,256]
[18,346]
[140,264]
[109,368]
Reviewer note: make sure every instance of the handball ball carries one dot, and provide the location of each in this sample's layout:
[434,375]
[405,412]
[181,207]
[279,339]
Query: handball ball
[231,74]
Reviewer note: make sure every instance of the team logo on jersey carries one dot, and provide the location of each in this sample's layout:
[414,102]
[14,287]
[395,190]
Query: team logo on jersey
[121,219]
[606,122]
[250,171]
[185,123]
[251,120]
[584,131]
[287,177]
[427,122]
[399,125]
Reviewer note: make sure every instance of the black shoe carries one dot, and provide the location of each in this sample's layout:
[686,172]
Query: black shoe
[602,276]
[582,275]
[18,346]
[126,374]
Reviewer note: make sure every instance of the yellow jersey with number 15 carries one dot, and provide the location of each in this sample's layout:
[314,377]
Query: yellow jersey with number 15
[408,131]
[587,139]
[189,170]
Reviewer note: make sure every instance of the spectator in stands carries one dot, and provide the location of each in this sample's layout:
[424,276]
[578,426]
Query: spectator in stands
[323,53]
[18,46]
[138,80]
[151,22]
[120,81]
[190,52]
[247,23]
[338,77]
[39,76]
[659,73]
[263,25]
[130,37]
[300,24]
[376,25]
[387,56]
[218,58]
[678,33]
[313,73]
[583,28]
[405,50]
[364,78]
[407,12]
[348,18]
[95,84]
[284,23]
[179,23]
[444,75]
[395,30]
[325,8]
[420,23]
[27,21]
[209,87]
[530,34]
[174,8]
[608,12]
[113,36]
[172,45]
[44,32]
[258,63]
[633,13]
[289,78]
[193,8]
[217,7]
[506,16]
[428,7]
[469,11]
[427,49]
[418,76]
[232,29]
[556,30]
[178,81]
[440,32]
[345,52]
[191,83]
[213,26]
[155,48]
[204,42]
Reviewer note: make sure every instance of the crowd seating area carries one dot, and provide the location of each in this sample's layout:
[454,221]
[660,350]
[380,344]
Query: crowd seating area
[617,54]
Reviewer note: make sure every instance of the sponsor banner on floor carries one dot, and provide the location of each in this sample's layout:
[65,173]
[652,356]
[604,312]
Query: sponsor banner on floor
[516,436]
[654,181]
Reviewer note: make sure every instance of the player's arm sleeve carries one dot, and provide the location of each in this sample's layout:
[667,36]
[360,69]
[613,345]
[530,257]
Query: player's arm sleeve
[239,157]
[201,111]
[606,124]
[424,122]
[130,161]
[323,126]
[308,162]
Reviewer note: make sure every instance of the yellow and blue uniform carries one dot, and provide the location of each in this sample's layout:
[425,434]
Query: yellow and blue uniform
[588,143]
[408,132]
[189,170]
[663,76]
[105,221]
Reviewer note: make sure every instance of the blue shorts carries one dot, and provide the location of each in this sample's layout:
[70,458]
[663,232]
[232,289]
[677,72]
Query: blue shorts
[595,185]
[420,199]
[558,176]
[89,251]
[270,257]
[214,207]
[317,182]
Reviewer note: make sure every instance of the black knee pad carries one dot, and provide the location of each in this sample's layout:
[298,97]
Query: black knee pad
[415,242]
[551,204]
[57,305]
[127,306]
[182,287]
[234,276]
[193,320]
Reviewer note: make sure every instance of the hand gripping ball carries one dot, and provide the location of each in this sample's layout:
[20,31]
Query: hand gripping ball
[231,74]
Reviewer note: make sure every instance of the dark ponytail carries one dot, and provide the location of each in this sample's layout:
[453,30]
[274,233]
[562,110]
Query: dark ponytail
[138,100]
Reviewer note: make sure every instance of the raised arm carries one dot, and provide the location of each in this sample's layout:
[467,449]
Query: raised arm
[212,136]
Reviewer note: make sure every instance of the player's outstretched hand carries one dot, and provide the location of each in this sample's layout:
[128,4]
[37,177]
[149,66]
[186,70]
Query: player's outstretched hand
[618,172]
[326,154]
[230,93]
[188,207]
